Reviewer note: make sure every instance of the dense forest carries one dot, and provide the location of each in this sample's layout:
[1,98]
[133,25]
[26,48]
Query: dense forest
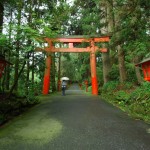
[25,23]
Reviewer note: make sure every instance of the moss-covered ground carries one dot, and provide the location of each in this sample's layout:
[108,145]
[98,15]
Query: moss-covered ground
[31,129]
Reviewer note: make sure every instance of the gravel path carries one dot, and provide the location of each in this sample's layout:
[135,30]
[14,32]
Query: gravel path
[74,122]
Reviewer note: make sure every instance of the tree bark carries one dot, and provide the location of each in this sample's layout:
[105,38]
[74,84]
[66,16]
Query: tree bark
[1,26]
[53,73]
[106,66]
[16,81]
[1,16]
[107,8]
[27,73]
[121,54]
[29,19]
[17,47]
[9,53]
[110,16]
[59,72]
[137,70]
[33,68]
[121,61]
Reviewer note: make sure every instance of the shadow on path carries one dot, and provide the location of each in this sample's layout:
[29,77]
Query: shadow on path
[74,122]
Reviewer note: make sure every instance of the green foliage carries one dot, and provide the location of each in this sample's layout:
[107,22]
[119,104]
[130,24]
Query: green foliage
[126,86]
[142,93]
[131,75]
[136,101]
[122,96]
[68,67]
[100,75]
[114,73]
[90,89]
[3,40]
[48,32]
[16,105]
[32,92]
[110,87]
[2,118]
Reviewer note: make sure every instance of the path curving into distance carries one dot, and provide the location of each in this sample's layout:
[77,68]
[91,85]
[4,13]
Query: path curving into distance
[74,122]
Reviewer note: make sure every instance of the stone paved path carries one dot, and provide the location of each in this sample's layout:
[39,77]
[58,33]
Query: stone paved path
[74,122]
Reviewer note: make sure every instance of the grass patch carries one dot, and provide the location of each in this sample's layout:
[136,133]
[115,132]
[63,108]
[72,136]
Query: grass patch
[133,100]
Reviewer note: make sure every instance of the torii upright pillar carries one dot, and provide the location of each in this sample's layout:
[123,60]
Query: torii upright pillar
[46,81]
[93,69]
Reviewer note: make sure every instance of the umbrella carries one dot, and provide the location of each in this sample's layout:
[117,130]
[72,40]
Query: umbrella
[64,78]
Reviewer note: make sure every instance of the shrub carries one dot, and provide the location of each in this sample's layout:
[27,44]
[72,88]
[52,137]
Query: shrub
[114,73]
[2,118]
[32,99]
[110,87]
[122,96]
[141,93]
[134,100]
[127,85]
[90,89]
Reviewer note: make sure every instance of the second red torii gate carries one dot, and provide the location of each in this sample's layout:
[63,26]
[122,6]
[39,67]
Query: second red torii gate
[92,49]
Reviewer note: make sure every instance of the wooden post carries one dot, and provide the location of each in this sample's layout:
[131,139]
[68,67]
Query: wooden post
[46,82]
[93,69]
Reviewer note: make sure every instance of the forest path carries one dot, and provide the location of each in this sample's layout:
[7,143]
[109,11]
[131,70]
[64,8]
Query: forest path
[74,122]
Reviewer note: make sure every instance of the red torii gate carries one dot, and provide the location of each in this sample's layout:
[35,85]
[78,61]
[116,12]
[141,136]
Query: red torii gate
[71,49]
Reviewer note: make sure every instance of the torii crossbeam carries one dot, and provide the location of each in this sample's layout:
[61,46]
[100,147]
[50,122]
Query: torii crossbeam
[70,41]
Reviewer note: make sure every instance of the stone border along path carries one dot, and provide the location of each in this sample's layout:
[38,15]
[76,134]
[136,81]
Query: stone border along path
[74,122]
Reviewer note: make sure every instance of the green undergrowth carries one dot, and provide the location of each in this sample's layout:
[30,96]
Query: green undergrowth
[18,103]
[15,105]
[89,89]
[34,128]
[135,100]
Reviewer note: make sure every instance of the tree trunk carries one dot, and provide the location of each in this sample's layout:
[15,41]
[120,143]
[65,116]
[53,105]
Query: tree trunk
[9,53]
[110,17]
[53,73]
[137,70]
[29,19]
[28,73]
[1,16]
[17,48]
[59,72]
[16,81]
[33,68]
[121,61]
[107,8]
[106,66]
[1,26]
[121,54]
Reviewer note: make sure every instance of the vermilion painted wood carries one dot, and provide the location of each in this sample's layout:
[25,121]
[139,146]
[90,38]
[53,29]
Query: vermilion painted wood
[78,40]
[146,70]
[93,70]
[46,82]
[70,50]
[73,50]
[92,49]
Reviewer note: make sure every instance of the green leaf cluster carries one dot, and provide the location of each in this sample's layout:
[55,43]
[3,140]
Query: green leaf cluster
[135,101]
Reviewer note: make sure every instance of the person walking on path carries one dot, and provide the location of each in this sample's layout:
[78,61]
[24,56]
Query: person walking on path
[64,84]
